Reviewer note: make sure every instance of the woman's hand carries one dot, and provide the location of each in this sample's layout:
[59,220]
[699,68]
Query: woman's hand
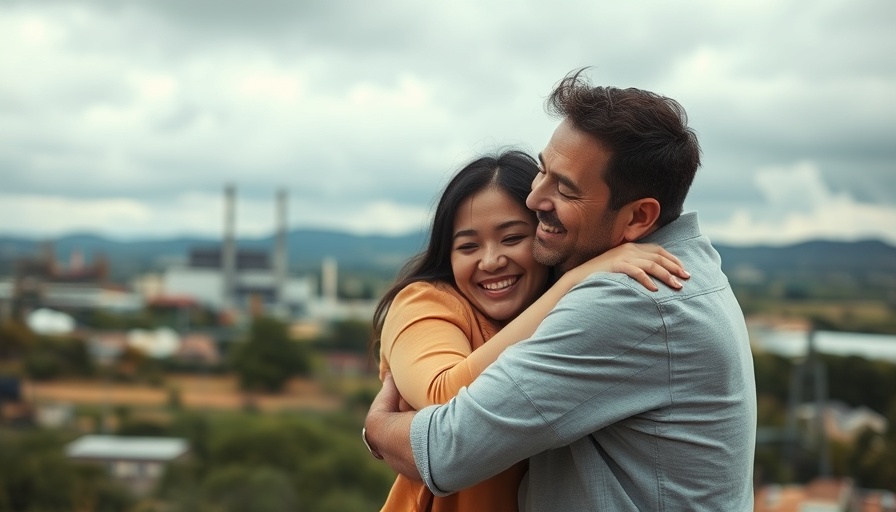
[638,261]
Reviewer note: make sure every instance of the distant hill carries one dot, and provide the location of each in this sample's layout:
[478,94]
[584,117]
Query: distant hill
[382,253]
[869,256]
[306,249]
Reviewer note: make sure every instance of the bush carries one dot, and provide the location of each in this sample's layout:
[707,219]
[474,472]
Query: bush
[50,358]
[269,357]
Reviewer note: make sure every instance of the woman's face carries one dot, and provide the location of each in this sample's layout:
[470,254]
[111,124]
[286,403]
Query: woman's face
[491,254]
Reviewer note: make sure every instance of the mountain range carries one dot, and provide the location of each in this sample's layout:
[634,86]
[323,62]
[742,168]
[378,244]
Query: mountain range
[385,254]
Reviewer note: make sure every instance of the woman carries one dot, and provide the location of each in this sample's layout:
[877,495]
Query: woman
[475,277]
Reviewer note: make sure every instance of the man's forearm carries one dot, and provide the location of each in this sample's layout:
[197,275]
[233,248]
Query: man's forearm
[388,431]
[390,436]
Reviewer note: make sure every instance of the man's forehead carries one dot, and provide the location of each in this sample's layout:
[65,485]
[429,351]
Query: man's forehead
[574,156]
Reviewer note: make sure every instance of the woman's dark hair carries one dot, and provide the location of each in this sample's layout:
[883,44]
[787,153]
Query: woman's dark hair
[511,170]
[653,153]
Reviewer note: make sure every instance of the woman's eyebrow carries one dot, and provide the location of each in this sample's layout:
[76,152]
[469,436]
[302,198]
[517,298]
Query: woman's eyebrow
[502,226]
[465,232]
[513,223]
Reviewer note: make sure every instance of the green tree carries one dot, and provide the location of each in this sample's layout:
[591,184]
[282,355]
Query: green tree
[15,339]
[35,475]
[772,376]
[241,488]
[51,357]
[348,335]
[859,381]
[303,462]
[269,357]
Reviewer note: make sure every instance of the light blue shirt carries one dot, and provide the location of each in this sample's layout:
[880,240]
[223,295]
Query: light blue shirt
[623,399]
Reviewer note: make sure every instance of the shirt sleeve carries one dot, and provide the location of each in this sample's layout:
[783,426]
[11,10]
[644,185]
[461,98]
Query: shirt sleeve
[599,357]
[426,340]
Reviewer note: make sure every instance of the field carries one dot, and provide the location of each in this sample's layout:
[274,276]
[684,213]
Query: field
[195,392]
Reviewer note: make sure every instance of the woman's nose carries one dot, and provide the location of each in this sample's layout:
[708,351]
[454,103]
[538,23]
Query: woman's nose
[492,260]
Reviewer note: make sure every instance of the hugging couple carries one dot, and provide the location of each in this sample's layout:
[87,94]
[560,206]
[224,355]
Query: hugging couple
[567,340]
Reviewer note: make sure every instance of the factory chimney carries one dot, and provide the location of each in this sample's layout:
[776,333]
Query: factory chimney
[329,284]
[281,260]
[228,249]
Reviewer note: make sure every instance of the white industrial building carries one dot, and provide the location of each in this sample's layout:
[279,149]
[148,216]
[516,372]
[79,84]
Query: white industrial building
[252,279]
[227,278]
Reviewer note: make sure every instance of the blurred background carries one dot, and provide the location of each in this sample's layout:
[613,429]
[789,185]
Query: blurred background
[201,202]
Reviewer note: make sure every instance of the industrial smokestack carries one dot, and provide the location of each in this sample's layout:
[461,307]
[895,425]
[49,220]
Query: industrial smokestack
[228,248]
[329,280]
[281,261]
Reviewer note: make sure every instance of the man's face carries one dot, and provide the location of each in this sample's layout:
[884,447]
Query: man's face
[572,200]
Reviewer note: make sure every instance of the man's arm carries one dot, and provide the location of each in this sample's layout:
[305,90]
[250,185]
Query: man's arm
[388,431]
[589,364]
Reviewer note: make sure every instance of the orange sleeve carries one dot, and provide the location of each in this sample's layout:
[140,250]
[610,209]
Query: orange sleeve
[426,339]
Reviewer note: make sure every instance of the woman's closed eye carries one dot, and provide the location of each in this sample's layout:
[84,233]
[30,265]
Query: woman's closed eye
[467,247]
[513,239]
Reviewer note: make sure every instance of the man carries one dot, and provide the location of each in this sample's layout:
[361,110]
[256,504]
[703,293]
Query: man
[623,399]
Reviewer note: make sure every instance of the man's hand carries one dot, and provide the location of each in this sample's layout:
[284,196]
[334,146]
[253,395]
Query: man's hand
[387,399]
[389,431]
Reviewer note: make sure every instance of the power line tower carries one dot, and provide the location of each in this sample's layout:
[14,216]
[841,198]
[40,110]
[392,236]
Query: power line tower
[810,373]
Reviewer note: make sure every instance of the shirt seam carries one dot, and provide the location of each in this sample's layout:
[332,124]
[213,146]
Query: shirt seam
[541,415]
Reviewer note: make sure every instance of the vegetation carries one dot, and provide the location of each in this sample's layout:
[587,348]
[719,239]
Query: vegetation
[869,459]
[54,357]
[15,340]
[348,336]
[269,357]
[239,461]
[36,476]
[151,317]
[275,463]
[854,302]
[314,461]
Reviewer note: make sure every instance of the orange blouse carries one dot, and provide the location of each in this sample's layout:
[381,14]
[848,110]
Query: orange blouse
[428,334]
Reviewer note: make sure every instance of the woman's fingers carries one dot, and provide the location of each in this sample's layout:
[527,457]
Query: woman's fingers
[661,256]
[641,270]
[639,275]
[673,265]
[641,262]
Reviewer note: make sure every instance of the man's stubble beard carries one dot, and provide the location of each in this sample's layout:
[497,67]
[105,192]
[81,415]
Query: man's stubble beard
[549,258]
[567,258]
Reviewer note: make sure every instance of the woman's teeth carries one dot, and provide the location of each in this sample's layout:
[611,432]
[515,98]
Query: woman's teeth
[500,285]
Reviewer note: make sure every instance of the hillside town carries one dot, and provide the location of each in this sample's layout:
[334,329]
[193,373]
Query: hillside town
[113,367]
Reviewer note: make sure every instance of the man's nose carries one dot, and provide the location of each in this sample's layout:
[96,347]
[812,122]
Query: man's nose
[536,200]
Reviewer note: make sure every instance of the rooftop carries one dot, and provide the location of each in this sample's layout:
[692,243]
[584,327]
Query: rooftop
[127,448]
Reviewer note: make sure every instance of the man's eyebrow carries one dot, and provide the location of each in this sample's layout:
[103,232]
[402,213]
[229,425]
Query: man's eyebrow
[563,180]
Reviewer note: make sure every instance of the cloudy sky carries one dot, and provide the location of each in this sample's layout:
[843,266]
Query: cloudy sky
[127,119]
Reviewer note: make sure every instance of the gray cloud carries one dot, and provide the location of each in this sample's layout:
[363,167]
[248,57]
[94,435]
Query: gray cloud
[363,110]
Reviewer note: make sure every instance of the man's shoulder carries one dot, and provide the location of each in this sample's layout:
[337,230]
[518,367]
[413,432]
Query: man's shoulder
[608,302]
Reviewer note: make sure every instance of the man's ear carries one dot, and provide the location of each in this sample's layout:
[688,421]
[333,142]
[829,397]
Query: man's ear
[642,216]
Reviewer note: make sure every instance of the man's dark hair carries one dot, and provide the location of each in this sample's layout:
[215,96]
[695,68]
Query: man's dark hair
[653,153]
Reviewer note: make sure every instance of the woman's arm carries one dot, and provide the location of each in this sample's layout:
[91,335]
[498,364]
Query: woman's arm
[638,261]
[427,335]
